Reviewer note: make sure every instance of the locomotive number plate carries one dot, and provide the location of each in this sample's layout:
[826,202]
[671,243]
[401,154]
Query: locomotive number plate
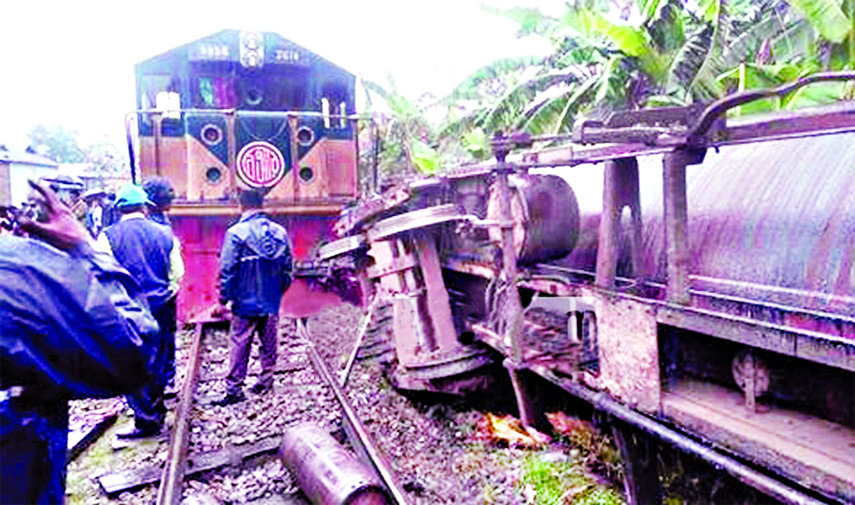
[260,165]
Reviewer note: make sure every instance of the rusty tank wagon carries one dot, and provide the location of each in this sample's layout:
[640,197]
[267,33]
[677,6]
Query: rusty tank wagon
[691,274]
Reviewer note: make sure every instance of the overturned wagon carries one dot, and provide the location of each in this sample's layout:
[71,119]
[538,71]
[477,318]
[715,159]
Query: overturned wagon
[690,292]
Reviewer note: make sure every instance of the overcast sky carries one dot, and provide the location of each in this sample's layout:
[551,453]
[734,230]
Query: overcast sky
[70,62]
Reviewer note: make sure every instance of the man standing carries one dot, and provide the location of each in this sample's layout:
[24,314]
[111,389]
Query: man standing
[160,194]
[69,328]
[144,247]
[255,271]
[94,210]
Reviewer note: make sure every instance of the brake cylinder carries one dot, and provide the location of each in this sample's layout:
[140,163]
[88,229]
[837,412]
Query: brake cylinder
[545,215]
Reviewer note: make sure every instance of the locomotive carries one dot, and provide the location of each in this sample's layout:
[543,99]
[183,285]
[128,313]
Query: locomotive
[690,274]
[237,110]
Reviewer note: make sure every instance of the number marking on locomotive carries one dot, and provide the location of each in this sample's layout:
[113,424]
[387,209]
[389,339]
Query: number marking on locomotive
[260,165]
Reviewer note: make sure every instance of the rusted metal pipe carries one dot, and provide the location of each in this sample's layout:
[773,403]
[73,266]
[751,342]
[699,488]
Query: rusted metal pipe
[328,473]
[722,105]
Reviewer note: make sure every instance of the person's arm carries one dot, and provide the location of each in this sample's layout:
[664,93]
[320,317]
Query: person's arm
[176,266]
[228,265]
[287,263]
[74,322]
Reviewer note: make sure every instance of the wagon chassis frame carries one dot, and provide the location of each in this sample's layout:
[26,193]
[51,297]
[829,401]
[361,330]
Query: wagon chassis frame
[617,142]
[683,140]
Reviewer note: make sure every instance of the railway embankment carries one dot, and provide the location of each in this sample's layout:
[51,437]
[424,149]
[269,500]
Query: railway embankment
[441,451]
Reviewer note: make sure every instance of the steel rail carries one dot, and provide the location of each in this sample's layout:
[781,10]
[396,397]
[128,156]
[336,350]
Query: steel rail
[169,492]
[356,431]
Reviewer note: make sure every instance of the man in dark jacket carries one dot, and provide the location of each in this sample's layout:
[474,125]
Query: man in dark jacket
[144,247]
[255,271]
[160,195]
[69,328]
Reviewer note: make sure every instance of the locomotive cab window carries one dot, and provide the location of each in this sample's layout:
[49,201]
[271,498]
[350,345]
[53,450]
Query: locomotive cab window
[162,93]
[334,105]
[212,92]
[159,92]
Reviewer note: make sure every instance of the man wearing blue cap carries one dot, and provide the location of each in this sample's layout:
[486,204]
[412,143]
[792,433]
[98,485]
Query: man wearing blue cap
[144,247]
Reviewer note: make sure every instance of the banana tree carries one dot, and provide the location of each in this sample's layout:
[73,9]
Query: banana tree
[658,52]
[406,136]
[811,36]
[653,49]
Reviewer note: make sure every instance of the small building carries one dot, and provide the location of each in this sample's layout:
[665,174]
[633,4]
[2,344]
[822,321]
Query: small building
[93,178]
[16,166]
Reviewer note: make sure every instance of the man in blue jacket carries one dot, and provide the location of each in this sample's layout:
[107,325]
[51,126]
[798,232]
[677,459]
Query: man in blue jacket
[144,248]
[70,327]
[160,195]
[255,271]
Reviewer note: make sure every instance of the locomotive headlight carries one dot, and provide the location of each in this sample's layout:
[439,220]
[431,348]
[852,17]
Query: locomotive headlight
[251,41]
[251,49]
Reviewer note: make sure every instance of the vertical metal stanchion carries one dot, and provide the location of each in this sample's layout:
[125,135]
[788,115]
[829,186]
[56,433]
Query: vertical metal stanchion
[512,306]
[607,247]
[676,221]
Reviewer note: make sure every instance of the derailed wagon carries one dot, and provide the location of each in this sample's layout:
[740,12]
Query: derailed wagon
[706,298]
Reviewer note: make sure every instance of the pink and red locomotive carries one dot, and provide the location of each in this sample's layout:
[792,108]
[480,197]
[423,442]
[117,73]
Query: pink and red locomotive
[246,109]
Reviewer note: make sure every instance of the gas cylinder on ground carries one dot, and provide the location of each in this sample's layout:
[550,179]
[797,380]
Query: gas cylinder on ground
[327,472]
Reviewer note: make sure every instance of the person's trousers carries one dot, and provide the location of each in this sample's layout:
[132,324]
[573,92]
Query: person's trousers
[147,402]
[33,445]
[171,326]
[241,342]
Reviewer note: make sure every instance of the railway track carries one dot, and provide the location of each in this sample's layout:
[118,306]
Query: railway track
[231,451]
[233,447]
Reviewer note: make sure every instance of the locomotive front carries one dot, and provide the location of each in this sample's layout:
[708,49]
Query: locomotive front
[246,110]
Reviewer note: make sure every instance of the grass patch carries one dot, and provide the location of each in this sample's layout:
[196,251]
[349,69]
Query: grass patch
[548,482]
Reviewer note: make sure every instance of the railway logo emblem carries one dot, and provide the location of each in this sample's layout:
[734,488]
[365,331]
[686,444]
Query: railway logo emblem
[260,165]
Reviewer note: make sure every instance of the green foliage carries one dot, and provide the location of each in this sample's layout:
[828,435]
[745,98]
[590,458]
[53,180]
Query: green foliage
[57,143]
[826,16]
[558,482]
[477,144]
[405,134]
[656,52]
